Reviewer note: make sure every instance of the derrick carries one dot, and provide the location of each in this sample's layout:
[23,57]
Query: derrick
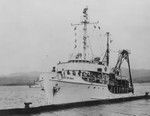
[123,56]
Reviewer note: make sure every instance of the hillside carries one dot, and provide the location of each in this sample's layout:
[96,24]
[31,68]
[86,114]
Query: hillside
[138,75]
[19,78]
[141,76]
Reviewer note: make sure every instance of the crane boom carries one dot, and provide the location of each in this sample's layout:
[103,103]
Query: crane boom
[123,55]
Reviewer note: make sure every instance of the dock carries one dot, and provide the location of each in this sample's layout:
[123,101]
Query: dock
[48,108]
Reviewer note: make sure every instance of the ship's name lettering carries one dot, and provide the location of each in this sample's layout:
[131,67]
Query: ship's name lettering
[68,78]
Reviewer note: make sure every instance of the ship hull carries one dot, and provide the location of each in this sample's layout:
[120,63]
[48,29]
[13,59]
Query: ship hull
[62,92]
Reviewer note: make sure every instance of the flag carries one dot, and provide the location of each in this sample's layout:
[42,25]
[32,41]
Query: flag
[75,28]
[111,41]
[75,34]
[75,43]
[85,10]
[75,46]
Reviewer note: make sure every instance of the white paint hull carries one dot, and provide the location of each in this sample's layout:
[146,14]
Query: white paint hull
[70,92]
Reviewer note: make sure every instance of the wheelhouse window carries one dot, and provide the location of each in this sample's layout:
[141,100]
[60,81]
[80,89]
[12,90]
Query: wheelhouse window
[68,72]
[74,73]
[99,70]
[79,73]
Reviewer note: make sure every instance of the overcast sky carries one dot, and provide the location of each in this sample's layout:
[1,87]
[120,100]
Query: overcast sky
[36,34]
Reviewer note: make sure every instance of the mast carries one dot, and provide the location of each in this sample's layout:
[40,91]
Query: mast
[106,56]
[107,51]
[85,22]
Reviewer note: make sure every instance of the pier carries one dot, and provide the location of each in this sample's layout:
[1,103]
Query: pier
[48,108]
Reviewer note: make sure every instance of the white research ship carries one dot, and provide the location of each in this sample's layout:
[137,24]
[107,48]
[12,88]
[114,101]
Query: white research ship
[83,79]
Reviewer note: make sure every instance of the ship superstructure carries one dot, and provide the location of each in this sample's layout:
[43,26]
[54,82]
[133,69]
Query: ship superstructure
[84,77]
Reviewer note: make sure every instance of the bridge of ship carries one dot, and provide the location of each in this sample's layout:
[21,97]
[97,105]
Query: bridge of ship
[88,71]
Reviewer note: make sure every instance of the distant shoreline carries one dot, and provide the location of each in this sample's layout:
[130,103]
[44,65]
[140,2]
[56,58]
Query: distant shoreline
[15,85]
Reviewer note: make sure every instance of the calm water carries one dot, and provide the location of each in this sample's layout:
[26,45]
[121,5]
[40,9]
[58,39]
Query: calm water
[15,96]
